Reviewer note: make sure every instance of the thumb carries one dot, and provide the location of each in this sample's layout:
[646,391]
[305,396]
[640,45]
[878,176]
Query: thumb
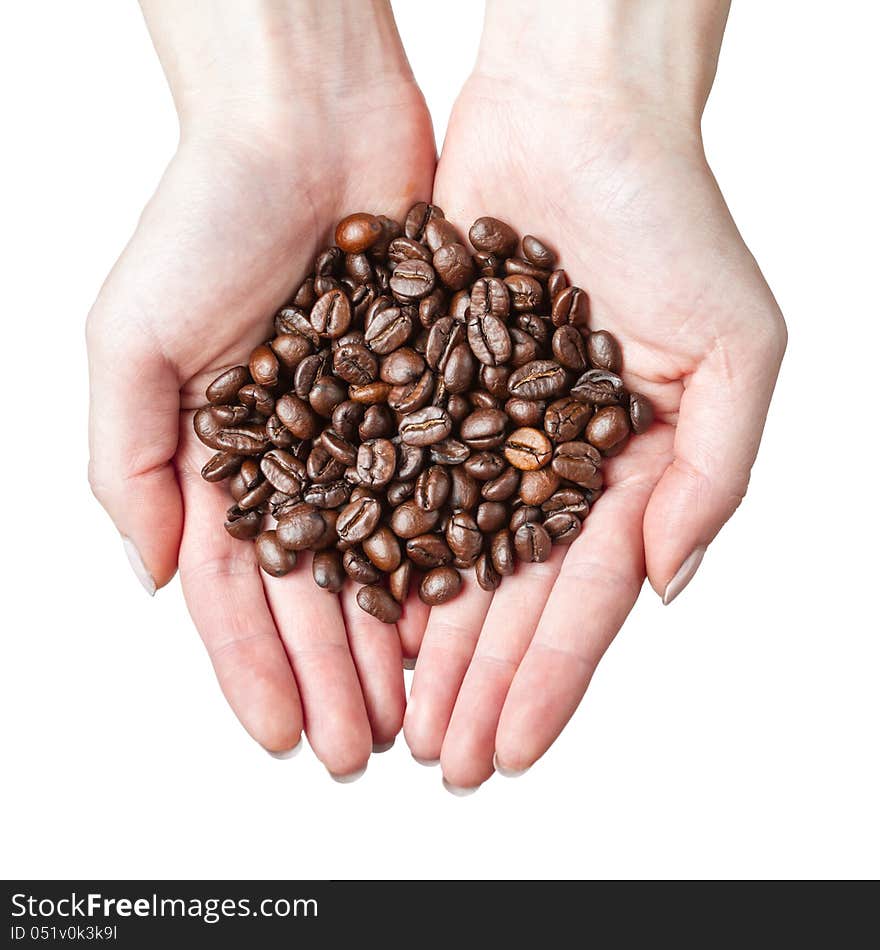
[134,413]
[721,418]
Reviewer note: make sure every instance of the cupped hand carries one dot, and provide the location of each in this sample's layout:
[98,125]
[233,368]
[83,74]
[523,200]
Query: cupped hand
[625,195]
[230,233]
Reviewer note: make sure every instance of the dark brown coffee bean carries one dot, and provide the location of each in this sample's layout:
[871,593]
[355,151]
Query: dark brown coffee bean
[399,581]
[264,366]
[528,449]
[427,551]
[322,468]
[536,252]
[354,363]
[274,559]
[410,461]
[449,452]
[556,283]
[569,348]
[331,315]
[425,426]
[566,418]
[377,423]
[641,413]
[376,462]
[291,349]
[279,435]
[402,366]
[346,418]
[502,552]
[539,379]
[502,487]
[337,447]
[485,465]
[398,491]
[463,536]
[532,543]
[330,495]
[359,519]
[207,428]
[417,219]
[579,463]
[439,586]
[257,398]
[484,572]
[537,486]
[358,269]
[383,549]
[390,329]
[562,527]
[412,280]
[243,525]
[432,488]
[571,500]
[484,428]
[608,427]
[329,261]
[247,439]
[465,489]
[491,516]
[295,321]
[431,308]
[357,232]
[390,230]
[489,339]
[230,415]
[369,393]
[406,249]
[525,514]
[297,416]
[570,306]
[408,520]
[524,348]
[598,387]
[327,393]
[358,567]
[221,465]
[309,370]
[377,602]
[494,379]
[493,236]
[256,497]
[524,412]
[525,292]
[517,266]
[444,336]
[247,477]
[412,396]
[225,387]
[453,266]
[283,471]
[487,265]
[460,368]
[604,352]
[439,231]
[327,570]
[301,527]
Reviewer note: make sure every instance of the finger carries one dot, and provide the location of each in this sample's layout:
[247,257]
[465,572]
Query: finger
[597,585]
[223,590]
[720,422]
[469,744]
[446,650]
[375,649]
[134,414]
[311,626]
[411,626]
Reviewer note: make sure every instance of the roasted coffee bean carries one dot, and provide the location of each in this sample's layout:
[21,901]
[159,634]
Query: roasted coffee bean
[406,249]
[376,462]
[463,536]
[489,339]
[432,488]
[256,497]
[322,468]
[354,363]
[540,379]
[571,500]
[390,329]
[300,527]
[417,219]
[569,348]
[532,543]
[383,549]
[346,418]
[264,366]
[340,449]
[329,261]
[460,368]
[247,439]
[556,283]
[604,352]
[570,306]
[427,551]
[537,327]
[279,435]
[493,236]
[484,571]
[358,567]
[502,487]
[566,418]
[444,336]
[221,465]
[412,280]
[579,463]
[598,387]
[358,269]
[485,465]
[536,252]
[502,551]
[390,230]
[425,426]
[449,452]
[225,387]
[525,514]
[291,349]
[370,393]
[230,415]
[525,292]
[257,398]
[484,429]
[492,516]
[377,423]
[494,379]
[453,265]
[517,266]
[464,491]
[524,348]
[247,477]
[331,315]
[439,585]
[274,558]
[641,413]
[330,495]
[563,527]
[285,472]
[243,525]
[377,602]
[402,366]
[409,519]
[487,265]
[412,396]
[608,427]
[431,307]
[528,449]
[399,581]
[357,232]
[327,570]
[439,231]
[398,491]
[295,320]
[524,412]
[359,519]
[309,369]
[207,428]
[327,393]
[536,487]
[410,461]
[297,416]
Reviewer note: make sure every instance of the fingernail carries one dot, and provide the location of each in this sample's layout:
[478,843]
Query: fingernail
[428,762]
[287,753]
[138,566]
[409,662]
[508,773]
[684,575]
[460,791]
[349,777]
[382,746]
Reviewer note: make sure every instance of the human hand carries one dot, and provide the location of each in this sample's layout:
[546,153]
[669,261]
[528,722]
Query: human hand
[589,136]
[290,118]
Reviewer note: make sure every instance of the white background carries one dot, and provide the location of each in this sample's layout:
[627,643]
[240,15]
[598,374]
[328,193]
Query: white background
[732,734]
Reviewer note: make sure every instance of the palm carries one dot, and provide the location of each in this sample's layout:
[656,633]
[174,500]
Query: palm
[642,227]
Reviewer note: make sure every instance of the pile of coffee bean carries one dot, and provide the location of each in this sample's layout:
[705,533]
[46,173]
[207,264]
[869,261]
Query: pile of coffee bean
[420,409]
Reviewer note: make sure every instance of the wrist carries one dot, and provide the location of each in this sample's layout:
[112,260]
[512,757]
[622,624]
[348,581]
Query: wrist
[634,55]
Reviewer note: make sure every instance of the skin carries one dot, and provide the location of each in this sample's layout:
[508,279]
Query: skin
[266,164]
